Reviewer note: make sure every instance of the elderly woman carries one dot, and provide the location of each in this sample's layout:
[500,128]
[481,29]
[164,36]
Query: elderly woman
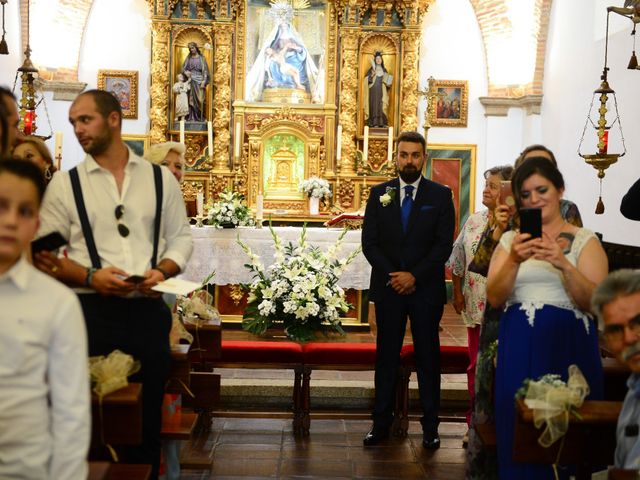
[469,285]
[545,285]
[170,155]
[34,150]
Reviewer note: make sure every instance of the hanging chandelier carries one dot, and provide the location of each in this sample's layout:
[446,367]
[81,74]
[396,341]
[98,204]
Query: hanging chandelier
[31,96]
[602,158]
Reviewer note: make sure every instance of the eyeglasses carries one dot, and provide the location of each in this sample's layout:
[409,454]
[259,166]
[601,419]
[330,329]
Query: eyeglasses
[123,230]
[615,333]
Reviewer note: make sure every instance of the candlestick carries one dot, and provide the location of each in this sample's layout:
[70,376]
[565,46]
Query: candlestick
[365,147]
[210,138]
[390,146]
[58,150]
[339,143]
[259,210]
[182,131]
[236,148]
[200,204]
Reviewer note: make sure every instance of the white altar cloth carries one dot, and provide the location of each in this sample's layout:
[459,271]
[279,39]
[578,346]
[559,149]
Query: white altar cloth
[218,249]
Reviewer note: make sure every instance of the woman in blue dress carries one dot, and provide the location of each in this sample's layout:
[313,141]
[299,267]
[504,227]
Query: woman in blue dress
[545,285]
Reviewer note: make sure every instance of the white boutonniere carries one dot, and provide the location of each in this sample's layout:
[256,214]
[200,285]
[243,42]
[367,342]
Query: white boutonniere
[388,197]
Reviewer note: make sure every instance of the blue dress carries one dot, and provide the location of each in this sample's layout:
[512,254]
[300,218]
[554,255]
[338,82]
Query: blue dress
[541,331]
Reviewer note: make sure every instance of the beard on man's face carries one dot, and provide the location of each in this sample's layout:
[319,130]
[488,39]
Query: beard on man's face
[99,143]
[409,173]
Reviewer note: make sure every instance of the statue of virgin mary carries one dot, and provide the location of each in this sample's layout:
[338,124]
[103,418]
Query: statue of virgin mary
[283,61]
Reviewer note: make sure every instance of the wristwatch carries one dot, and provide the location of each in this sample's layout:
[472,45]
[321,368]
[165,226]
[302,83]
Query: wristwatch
[89,278]
[164,273]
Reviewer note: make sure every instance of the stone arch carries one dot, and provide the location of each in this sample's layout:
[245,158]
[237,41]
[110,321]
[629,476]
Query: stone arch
[499,27]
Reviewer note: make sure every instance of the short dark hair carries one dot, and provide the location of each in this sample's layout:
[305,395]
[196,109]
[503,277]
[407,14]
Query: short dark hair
[412,137]
[505,172]
[26,170]
[106,102]
[533,148]
[532,165]
[4,124]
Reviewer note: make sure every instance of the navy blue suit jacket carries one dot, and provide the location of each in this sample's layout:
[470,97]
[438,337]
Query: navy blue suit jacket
[422,250]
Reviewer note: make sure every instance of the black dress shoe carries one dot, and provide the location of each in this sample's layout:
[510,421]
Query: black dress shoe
[431,442]
[375,436]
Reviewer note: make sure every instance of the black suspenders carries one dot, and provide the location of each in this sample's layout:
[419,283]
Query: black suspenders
[86,226]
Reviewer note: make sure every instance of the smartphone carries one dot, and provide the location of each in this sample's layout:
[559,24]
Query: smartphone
[49,242]
[135,279]
[506,196]
[531,221]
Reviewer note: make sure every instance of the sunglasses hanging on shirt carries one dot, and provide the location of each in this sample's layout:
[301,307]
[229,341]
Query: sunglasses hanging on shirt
[123,230]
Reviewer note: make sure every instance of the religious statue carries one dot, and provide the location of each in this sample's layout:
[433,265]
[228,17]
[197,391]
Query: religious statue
[181,89]
[376,102]
[283,60]
[196,71]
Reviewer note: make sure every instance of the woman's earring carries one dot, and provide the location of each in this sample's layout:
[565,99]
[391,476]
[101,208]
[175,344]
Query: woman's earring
[47,173]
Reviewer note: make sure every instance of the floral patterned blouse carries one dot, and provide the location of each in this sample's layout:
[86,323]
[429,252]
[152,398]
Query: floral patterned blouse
[474,286]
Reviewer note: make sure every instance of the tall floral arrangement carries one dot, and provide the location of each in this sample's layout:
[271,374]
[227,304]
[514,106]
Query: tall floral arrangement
[316,187]
[230,211]
[298,291]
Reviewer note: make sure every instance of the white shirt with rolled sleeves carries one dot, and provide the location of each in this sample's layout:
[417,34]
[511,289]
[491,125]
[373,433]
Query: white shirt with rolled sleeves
[45,422]
[132,253]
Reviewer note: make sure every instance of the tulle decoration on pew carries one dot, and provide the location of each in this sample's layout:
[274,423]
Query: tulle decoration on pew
[110,373]
[552,401]
[198,309]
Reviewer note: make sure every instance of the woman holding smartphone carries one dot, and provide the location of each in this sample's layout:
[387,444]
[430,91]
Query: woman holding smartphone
[545,285]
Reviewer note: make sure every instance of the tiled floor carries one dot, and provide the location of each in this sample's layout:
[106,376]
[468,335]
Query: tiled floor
[261,447]
[266,448]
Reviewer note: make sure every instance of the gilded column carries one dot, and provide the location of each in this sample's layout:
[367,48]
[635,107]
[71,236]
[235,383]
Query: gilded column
[409,101]
[222,96]
[159,93]
[348,99]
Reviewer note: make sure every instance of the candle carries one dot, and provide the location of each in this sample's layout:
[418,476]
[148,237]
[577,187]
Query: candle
[200,204]
[390,145]
[259,206]
[182,131]
[339,143]
[236,149]
[603,144]
[365,148]
[58,150]
[210,138]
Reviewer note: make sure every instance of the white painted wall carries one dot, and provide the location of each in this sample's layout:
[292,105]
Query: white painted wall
[118,37]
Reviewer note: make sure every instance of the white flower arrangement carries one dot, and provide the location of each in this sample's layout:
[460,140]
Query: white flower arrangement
[299,291]
[230,211]
[316,187]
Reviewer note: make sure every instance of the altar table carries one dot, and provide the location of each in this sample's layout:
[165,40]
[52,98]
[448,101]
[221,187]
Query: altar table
[218,250]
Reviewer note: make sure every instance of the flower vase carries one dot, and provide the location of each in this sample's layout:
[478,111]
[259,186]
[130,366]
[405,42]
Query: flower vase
[314,205]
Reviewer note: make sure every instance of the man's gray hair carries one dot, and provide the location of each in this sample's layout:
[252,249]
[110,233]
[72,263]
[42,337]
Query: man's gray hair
[620,283]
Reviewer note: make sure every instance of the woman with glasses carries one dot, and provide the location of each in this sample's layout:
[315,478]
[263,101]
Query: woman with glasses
[545,285]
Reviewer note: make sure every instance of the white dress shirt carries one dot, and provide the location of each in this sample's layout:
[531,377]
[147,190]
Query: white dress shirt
[101,197]
[44,380]
[404,184]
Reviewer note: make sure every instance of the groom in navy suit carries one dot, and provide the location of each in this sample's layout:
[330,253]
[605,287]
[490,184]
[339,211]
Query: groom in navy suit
[407,238]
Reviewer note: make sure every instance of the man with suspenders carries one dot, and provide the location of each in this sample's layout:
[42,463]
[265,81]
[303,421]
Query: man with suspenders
[123,218]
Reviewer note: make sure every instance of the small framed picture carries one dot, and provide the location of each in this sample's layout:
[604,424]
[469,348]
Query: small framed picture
[124,85]
[450,106]
[139,144]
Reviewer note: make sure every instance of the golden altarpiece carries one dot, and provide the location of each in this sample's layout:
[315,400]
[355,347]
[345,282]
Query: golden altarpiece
[278,80]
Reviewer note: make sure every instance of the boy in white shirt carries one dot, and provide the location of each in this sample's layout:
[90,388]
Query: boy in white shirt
[44,382]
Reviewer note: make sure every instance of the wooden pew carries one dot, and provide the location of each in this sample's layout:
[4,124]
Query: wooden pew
[589,441]
[120,422]
[118,471]
[620,474]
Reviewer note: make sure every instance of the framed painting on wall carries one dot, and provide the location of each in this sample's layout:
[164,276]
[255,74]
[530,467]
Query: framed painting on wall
[449,108]
[123,84]
[455,167]
[139,144]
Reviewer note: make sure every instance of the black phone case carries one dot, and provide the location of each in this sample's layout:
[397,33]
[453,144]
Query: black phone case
[531,221]
[50,242]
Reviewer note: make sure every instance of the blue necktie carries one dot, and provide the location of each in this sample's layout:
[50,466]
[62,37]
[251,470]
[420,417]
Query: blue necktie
[407,203]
